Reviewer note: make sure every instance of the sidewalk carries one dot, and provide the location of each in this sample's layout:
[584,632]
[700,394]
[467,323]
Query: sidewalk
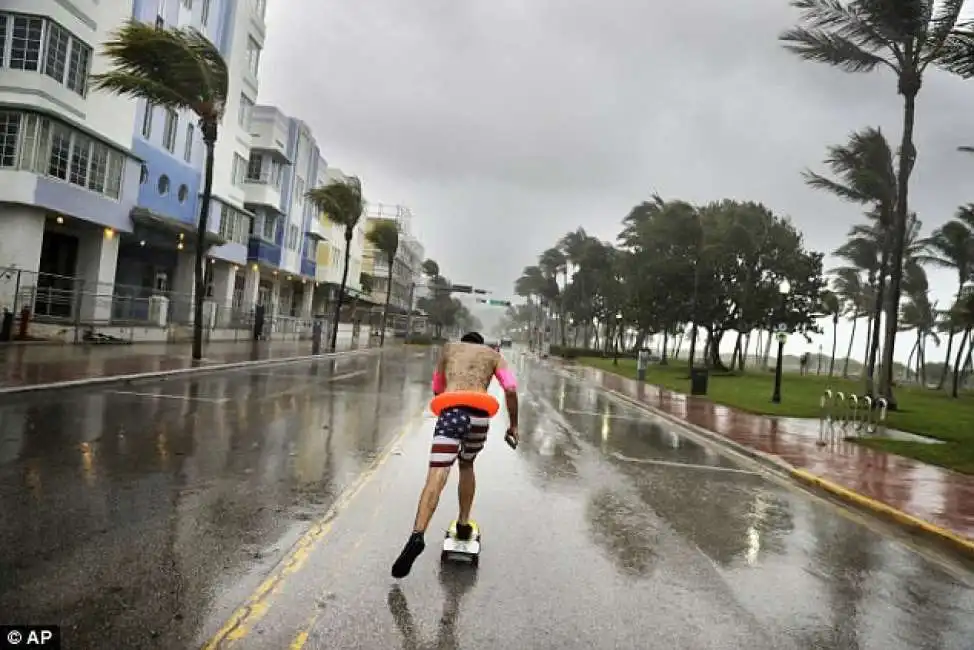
[29,365]
[942,500]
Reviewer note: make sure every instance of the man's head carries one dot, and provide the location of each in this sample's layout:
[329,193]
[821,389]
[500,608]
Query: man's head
[472,337]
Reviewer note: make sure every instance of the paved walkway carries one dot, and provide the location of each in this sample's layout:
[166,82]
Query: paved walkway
[929,493]
[42,364]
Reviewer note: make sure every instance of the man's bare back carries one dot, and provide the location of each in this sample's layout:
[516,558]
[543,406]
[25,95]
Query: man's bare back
[468,366]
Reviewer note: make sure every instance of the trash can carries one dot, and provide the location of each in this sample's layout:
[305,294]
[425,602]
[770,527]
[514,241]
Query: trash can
[317,331]
[642,362]
[7,326]
[258,322]
[698,381]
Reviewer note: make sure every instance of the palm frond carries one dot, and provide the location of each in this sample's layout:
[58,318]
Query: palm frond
[943,21]
[384,235]
[137,86]
[846,20]
[824,47]
[341,200]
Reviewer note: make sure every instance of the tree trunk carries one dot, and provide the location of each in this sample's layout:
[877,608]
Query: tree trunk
[951,332]
[767,350]
[209,139]
[869,343]
[960,351]
[909,88]
[385,309]
[848,355]
[835,341]
[666,341]
[922,362]
[341,289]
[909,360]
[693,347]
[747,349]
[878,309]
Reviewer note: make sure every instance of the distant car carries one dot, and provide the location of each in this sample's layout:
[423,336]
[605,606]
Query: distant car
[494,344]
[506,343]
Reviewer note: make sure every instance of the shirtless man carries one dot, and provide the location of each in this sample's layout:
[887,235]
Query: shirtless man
[460,434]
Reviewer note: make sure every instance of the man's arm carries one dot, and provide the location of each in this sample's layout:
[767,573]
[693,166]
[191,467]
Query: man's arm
[439,372]
[507,381]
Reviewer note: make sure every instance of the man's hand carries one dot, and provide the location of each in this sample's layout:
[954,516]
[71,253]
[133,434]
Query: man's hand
[511,437]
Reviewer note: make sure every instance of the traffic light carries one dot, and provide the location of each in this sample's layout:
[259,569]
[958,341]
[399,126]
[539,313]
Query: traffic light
[480,291]
[494,303]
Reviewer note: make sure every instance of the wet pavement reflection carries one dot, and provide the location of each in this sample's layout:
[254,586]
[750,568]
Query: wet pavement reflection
[934,494]
[123,513]
[609,528]
[144,519]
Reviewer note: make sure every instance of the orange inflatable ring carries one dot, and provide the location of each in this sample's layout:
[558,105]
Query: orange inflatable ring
[470,398]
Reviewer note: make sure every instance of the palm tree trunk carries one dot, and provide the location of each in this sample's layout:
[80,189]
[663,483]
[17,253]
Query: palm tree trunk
[922,362]
[341,288]
[385,309]
[878,307]
[835,341]
[209,139]
[960,351]
[951,332]
[909,360]
[848,354]
[767,350]
[869,342]
[909,87]
[747,348]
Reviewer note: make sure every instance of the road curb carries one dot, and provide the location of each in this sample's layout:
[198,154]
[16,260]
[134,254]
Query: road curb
[806,479]
[905,520]
[88,382]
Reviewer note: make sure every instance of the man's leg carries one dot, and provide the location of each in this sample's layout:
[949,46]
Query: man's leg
[472,444]
[444,452]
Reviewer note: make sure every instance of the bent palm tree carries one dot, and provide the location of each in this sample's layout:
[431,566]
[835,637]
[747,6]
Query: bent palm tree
[179,69]
[951,246]
[385,237]
[905,37]
[832,306]
[341,200]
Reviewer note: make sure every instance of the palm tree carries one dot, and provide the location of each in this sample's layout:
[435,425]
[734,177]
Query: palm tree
[341,200]
[919,315]
[905,37]
[833,307]
[179,69]
[848,285]
[385,237]
[951,246]
[552,262]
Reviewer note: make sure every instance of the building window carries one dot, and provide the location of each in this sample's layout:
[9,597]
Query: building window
[42,145]
[253,56]
[205,13]
[293,237]
[244,112]
[188,146]
[299,190]
[25,42]
[58,42]
[234,225]
[80,160]
[182,194]
[169,130]
[239,169]
[188,4]
[147,120]
[37,44]
[163,185]
[254,168]
[9,132]
[266,227]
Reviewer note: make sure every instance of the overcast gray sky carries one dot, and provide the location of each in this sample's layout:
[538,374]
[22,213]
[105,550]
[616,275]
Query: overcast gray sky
[504,124]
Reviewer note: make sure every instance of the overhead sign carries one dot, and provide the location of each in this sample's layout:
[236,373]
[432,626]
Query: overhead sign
[461,288]
[781,327]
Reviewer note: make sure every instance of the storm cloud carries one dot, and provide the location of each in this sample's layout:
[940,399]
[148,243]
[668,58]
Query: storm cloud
[504,124]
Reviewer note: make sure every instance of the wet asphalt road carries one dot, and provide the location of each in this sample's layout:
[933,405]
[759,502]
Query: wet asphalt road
[145,522]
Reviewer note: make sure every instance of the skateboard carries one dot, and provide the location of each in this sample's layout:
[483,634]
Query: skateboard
[461,550]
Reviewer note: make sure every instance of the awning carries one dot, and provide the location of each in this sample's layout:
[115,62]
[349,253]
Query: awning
[153,220]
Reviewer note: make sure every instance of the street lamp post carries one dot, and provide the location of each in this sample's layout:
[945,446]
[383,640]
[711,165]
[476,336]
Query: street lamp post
[784,288]
[618,335]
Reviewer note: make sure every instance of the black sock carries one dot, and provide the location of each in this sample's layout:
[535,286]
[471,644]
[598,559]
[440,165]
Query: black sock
[414,546]
[464,531]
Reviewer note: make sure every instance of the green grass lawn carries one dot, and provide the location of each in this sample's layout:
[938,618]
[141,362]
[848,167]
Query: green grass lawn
[925,412]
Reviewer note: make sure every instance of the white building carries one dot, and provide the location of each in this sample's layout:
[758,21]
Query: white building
[99,194]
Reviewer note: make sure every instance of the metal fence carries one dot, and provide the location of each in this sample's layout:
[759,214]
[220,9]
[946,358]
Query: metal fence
[44,305]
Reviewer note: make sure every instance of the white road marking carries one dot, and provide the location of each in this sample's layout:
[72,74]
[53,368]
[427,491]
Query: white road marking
[185,398]
[670,463]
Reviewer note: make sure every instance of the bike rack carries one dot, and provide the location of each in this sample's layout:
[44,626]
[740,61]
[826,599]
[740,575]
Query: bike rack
[858,412]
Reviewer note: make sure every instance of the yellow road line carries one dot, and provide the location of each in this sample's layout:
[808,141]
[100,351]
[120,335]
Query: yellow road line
[302,637]
[902,518]
[243,618]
